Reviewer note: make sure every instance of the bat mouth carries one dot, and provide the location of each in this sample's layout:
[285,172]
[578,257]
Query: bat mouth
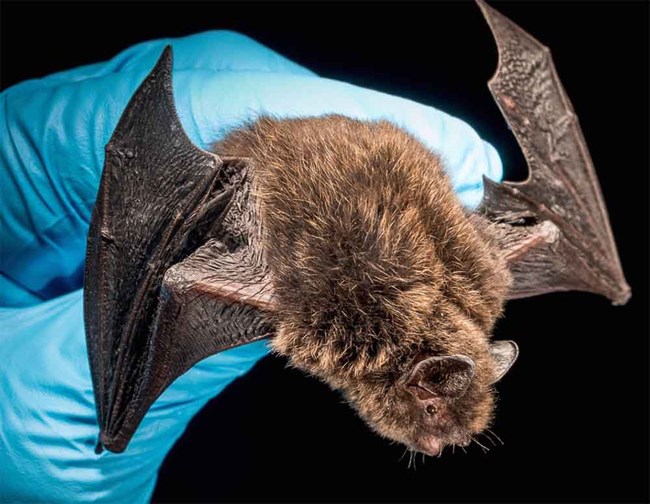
[430,445]
[434,445]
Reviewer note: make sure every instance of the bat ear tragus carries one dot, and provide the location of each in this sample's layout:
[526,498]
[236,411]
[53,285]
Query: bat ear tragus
[445,375]
[504,353]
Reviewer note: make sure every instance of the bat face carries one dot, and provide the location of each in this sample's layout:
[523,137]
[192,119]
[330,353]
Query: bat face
[442,409]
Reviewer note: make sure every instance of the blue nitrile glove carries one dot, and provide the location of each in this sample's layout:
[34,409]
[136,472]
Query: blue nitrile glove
[53,133]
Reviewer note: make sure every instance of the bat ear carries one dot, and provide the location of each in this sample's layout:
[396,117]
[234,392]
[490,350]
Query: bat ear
[504,353]
[447,376]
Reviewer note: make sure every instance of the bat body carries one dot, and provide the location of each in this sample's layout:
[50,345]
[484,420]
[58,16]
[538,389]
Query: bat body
[343,242]
[375,266]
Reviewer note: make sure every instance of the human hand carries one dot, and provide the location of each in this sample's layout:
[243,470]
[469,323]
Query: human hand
[52,154]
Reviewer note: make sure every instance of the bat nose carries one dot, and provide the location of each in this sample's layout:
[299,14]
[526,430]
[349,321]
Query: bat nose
[430,445]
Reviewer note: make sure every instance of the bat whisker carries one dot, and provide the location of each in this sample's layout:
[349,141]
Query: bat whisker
[496,436]
[485,448]
[485,435]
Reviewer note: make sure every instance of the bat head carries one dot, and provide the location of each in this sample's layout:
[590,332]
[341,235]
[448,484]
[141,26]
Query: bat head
[439,400]
[444,401]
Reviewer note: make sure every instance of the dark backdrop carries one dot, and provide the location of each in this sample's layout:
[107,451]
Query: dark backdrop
[574,410]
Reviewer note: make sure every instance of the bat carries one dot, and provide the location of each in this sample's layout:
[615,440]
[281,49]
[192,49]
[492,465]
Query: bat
[342,242]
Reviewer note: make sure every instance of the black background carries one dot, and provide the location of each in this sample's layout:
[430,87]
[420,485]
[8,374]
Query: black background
[574,411]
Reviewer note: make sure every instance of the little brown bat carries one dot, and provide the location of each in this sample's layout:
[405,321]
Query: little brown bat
[343,242]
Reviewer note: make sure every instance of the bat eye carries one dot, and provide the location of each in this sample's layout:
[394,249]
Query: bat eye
[431,409]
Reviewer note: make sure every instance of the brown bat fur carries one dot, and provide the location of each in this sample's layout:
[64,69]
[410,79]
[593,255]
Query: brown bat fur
[375,264]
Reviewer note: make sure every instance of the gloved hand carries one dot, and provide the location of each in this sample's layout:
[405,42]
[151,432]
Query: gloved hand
[53,133]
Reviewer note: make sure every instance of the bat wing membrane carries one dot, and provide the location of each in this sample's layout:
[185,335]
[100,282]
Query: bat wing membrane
[553,227]
[150,275]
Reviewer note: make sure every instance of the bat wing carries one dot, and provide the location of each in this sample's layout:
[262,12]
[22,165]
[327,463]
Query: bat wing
[553,227]
[161,291]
